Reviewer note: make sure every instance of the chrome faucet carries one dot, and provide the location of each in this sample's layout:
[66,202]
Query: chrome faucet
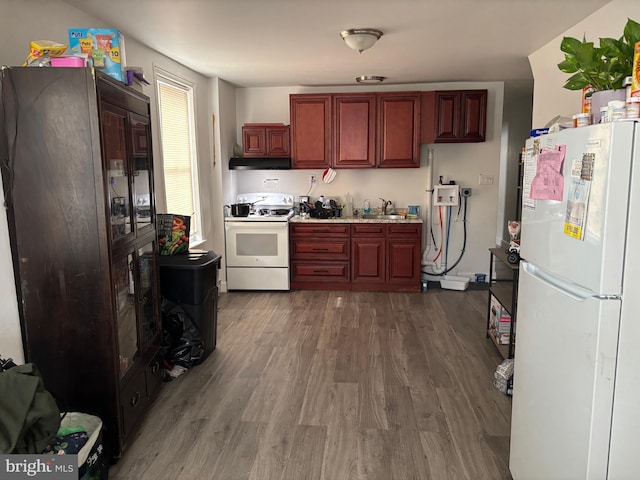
[385,204]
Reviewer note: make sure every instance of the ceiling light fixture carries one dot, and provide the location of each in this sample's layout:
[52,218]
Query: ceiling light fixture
[370,79]
[360,39]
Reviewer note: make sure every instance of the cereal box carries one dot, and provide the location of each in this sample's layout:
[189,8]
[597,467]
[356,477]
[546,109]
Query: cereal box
[173,233]
[104,48]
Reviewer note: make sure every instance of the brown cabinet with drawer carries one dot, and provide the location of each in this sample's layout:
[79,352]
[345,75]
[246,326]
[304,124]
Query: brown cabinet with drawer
[403,256]
[368,255]
[320,256]
[355,256]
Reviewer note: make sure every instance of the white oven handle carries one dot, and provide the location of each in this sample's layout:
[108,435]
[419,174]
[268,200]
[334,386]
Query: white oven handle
[253,225]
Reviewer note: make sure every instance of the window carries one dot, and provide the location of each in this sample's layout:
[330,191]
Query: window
[179,153]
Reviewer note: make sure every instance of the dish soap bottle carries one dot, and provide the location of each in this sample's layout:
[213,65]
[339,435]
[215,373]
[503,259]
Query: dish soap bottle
[347,210]
[366,207]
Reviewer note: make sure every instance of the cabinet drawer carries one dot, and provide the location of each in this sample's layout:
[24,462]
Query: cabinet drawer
[316,229]
[318,272]
[368,230]
[404,230]
[133,400]
[320,249]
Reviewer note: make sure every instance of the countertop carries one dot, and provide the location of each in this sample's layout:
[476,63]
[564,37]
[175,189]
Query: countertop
[298,219]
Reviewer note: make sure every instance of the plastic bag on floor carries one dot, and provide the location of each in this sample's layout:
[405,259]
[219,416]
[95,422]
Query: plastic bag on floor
[503,377]
[185,347]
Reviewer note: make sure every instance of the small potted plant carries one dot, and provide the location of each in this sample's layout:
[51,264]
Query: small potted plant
[603,67]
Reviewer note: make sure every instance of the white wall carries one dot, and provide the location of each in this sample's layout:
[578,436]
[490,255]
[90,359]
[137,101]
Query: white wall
[460,162]
[549,98]
[25,20]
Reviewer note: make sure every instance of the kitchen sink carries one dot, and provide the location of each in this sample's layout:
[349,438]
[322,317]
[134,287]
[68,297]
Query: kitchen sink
[377,216]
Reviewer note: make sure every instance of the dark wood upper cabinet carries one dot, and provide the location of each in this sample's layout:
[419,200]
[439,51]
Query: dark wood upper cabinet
[474,116]
[399,129]
[265,140]
[310,131]
[354,130]
[456,116]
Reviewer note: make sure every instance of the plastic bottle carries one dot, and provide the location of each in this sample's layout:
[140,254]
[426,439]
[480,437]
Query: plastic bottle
[347,211]
[366,207]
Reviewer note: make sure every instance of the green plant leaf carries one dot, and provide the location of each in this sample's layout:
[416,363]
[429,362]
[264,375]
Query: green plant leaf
[570,45]
[576,82]
[568,67]
[588,57]
[610,46]
[605,66]
[632,32]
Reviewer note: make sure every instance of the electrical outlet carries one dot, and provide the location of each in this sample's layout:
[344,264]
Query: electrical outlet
[465,192]
[312,179]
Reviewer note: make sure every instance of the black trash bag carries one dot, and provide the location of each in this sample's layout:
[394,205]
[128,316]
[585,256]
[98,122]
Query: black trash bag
[183,342]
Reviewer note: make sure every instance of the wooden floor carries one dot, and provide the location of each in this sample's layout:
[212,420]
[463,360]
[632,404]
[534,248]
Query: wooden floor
[334,385]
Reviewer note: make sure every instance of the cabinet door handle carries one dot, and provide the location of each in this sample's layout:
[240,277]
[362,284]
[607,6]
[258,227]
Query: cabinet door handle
[135,399]
[155,368]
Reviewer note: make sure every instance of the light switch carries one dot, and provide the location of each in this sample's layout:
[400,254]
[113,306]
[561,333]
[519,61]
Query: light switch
[485,179]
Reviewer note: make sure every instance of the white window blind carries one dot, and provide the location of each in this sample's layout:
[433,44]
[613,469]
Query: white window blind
[179,156]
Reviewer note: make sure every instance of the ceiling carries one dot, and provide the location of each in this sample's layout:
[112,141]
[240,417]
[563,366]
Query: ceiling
[254,43]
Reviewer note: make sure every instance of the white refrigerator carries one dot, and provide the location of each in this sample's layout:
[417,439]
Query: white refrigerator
[576,398]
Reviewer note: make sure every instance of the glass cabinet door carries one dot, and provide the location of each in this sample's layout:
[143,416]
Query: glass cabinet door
[148,295]
[113,124]
[140,133]
[124,290]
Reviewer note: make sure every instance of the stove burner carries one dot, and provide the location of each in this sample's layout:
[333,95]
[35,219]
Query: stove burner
[273,212]
[280,212]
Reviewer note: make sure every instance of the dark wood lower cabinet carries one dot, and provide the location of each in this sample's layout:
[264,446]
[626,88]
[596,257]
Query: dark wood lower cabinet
[404,243]
[320,256]
[79,168]
[368,256]
[357,256]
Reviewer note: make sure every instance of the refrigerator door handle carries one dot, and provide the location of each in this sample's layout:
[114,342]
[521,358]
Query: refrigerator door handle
[572,290]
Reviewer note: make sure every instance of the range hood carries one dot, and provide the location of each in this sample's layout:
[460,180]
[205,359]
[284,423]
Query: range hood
[259,163]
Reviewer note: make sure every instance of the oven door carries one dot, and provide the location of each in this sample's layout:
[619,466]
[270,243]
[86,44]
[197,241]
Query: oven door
[257,244]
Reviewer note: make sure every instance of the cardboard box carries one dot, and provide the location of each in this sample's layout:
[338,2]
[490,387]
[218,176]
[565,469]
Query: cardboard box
[104,48]
[173,233]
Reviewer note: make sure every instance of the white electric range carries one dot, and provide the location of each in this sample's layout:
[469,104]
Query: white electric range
[257,246]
